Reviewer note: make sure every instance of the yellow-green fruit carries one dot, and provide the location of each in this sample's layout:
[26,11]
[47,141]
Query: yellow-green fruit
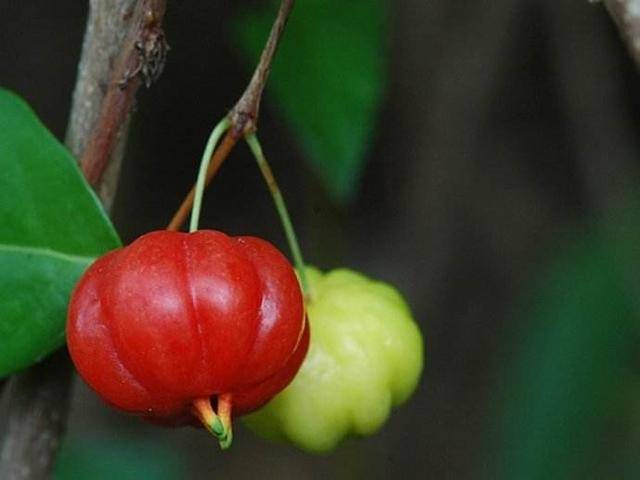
[365,357]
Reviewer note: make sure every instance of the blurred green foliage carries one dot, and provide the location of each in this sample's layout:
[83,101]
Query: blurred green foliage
[328,80]
[570,382]
[121,459]
[52,227]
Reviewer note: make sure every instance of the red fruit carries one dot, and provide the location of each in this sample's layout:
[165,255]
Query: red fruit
[160,326]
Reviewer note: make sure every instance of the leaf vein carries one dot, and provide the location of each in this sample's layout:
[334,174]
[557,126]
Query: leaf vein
[47,252]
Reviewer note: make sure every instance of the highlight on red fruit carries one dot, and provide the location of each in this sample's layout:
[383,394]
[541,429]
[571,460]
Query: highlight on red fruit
[175,321]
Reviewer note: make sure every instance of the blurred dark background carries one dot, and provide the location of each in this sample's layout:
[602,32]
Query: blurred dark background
[498,192]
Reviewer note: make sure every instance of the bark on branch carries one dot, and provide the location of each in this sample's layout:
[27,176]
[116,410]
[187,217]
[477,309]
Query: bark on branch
[141,61]
[119,53]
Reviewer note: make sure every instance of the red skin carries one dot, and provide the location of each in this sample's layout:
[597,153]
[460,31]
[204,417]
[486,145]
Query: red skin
[175,317]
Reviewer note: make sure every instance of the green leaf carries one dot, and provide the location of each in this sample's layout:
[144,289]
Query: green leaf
[571,362]
[51,228]
[328,80]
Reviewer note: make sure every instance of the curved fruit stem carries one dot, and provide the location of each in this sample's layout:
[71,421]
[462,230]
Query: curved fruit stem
[218,157]
[281,207]
[214,138]
[224,413]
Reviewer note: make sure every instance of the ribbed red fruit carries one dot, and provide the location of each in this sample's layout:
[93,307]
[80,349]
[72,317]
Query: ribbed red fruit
[174,319]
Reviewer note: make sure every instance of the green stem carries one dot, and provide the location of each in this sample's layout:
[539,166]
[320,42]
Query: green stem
[214,138]
[281,207]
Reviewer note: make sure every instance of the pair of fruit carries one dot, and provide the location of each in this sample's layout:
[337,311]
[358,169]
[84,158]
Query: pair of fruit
[174,321]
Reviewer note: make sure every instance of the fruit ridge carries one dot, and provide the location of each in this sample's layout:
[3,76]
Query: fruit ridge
[365,358]
[174,319]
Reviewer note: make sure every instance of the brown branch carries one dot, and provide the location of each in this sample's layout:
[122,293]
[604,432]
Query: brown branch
[141,60]
[244,115]
[626,14]
[35,402]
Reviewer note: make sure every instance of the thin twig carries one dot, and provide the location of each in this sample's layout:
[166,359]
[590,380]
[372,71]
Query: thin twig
[626,14]
[244,115]
[36,400]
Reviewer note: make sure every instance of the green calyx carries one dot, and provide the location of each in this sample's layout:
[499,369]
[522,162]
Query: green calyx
[225,439]
[222,432]
[365,357]
[217,428]
[218,424]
